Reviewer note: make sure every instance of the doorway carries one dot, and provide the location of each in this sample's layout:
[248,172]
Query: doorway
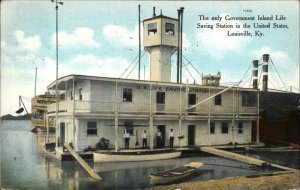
[162,129]
[191,134]
[253,131]
[62,134]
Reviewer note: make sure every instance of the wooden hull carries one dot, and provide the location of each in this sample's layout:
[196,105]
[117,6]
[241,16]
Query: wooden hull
[174,174]
[159,180]
[135,156]
[114,166]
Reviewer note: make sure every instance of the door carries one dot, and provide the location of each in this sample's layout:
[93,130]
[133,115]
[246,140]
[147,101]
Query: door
[253,131]
[162,129]
[191,135]
[62,134]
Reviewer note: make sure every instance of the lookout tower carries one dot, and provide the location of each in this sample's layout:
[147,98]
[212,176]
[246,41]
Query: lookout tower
[161,41]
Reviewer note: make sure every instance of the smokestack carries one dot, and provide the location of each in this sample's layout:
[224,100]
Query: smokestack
[254,73]
[178,48]
[181,24]
[154,12]
[266,58]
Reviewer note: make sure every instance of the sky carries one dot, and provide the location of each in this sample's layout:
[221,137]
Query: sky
[100,38]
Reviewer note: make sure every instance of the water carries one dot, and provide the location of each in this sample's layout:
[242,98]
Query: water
[24,166]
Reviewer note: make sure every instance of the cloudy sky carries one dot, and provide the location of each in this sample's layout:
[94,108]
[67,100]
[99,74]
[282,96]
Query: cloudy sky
[100,38]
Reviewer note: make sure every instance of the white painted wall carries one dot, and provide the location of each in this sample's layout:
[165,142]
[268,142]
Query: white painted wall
[105,129]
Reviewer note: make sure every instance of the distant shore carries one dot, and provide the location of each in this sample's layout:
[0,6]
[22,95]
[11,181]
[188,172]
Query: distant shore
[278,181]
[21,117]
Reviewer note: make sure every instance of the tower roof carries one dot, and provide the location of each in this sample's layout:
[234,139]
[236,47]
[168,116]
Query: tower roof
[160,16]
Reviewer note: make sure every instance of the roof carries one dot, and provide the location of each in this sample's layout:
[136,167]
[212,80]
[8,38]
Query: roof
[159,16]
[64,79]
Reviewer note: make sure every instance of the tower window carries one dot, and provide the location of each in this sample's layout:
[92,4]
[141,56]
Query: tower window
[127,95]
[152,28]
[169,28]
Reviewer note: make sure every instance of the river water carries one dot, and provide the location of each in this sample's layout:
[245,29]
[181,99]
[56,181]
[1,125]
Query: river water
[24,166]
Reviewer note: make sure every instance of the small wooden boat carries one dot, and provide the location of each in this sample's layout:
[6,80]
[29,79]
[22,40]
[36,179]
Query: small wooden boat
[174,174]
[133,156]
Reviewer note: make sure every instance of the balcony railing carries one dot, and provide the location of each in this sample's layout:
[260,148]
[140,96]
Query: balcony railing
[131,107]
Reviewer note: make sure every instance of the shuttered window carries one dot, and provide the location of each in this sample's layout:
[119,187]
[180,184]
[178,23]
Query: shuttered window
[224,128]
[127,95]
[169,28]
[91,128]
[152,28]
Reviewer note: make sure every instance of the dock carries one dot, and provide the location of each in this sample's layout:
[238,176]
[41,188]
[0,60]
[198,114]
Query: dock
[242,158]
[85,166]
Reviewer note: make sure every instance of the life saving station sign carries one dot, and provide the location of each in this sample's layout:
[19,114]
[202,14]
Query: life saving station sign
[173,88]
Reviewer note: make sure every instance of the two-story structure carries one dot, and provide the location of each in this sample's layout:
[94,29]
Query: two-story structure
[96,107]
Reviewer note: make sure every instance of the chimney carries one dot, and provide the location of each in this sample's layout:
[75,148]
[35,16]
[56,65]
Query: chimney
[254,73]
[154,12]
[266,58]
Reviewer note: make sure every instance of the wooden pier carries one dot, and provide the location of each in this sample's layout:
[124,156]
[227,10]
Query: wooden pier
[242,158]
[85,166]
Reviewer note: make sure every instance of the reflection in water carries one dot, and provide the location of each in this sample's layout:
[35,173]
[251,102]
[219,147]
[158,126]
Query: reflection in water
[24,166]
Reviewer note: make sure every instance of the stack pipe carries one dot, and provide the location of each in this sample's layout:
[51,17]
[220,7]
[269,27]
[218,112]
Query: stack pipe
[254,73]
[265,64]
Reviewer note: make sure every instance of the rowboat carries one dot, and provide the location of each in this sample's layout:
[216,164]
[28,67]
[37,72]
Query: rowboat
[134,156]
[174,174]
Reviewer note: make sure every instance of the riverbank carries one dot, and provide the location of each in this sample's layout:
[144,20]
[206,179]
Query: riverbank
[278,181]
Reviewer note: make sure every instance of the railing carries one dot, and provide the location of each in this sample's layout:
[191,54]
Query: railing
[130,107]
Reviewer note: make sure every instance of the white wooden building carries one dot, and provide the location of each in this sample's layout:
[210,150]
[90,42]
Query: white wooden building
[96,107]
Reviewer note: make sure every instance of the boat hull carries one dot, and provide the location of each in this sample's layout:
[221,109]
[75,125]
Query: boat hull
[159,180]
[175,174]
[134,157]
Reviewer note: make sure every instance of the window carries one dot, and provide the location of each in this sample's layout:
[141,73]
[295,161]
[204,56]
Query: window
[224,128]
[80,93]
[218,99]
[71,95]
[91,128]
[160,97]
[192,99]
[212,127]
[240,128]
[249,99]
[169,28]
[127,95]
[152,28]
[129,127]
